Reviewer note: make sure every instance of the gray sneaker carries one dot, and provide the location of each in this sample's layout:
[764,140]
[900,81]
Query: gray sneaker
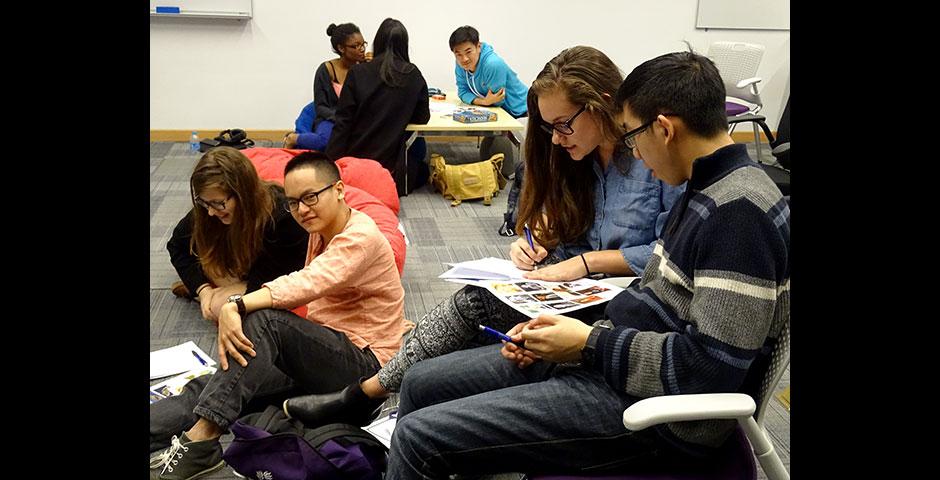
[186,459]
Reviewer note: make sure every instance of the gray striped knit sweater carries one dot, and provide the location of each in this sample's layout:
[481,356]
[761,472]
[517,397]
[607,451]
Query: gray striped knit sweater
[712,299]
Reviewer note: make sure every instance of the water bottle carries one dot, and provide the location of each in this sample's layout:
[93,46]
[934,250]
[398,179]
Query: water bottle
[194,143]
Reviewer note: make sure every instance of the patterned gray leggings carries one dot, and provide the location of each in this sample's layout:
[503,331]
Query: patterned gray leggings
[448,327]
[452,326]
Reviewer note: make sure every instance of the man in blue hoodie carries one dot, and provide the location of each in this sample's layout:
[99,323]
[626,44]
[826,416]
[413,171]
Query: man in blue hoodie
[483,78]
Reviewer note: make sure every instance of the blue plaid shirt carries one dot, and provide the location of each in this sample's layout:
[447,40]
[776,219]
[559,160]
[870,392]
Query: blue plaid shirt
[629,213]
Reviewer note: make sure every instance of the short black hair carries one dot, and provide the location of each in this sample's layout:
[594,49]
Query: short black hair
[326,168]
[685,84]
[463,34]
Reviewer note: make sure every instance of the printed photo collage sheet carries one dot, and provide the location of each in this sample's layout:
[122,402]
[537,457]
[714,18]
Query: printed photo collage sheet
[532,298]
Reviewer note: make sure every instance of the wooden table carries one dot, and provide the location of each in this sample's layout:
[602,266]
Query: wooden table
[442,124]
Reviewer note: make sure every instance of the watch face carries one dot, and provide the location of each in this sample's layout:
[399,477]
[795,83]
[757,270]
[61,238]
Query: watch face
[234,298]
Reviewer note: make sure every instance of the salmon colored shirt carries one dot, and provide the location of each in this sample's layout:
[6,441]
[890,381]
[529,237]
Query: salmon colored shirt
[350,285]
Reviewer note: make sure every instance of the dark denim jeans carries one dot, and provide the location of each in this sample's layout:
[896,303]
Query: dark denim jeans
[473,412]
[295,356]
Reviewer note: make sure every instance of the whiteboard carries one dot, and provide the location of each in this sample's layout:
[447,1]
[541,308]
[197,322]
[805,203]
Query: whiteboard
[239,9]
[744,14]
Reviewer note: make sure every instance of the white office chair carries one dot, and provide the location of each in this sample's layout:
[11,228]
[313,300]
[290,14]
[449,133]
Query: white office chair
[737,63]
[750,440]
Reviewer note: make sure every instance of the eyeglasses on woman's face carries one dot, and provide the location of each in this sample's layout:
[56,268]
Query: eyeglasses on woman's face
[217,205]
[308,199]
[358,46]
[563,128]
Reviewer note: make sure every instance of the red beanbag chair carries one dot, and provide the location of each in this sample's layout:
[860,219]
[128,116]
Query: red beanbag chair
[362,173]
[269,162]
[372,177]
[383,218]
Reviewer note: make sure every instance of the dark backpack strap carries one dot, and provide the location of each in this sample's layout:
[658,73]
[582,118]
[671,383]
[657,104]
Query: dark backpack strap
[273,420]
[320,435]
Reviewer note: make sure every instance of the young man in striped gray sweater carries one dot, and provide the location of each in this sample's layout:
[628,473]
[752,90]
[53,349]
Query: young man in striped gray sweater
[710,305]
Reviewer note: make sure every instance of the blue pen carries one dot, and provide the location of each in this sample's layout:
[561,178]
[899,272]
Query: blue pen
[496,333]
[203,362]
[528,237]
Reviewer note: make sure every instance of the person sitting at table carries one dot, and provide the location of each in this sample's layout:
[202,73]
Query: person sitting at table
[380,98]
[484,78]
[347,42]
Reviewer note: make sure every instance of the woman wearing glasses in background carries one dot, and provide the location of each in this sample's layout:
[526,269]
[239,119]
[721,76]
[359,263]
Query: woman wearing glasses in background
[347,42]
[238,235]
[588,201]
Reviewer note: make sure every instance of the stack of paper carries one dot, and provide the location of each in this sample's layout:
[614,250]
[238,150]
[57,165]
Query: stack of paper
[530,297]
[483,269]
[178,359]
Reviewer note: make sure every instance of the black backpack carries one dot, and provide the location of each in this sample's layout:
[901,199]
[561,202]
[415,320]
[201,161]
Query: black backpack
[235,138]
[271,445]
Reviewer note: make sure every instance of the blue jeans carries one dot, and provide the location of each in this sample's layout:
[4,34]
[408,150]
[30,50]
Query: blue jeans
[294,356]
[473,412]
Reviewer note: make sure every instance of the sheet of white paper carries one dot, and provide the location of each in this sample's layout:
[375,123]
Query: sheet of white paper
[468,281]
[443,108]
[484,269]
[382,428]
[178,359]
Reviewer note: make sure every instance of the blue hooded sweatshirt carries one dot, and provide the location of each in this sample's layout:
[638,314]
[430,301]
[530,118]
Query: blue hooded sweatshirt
[491,74]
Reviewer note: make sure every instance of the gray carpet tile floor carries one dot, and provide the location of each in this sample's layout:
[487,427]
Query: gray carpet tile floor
[437,234]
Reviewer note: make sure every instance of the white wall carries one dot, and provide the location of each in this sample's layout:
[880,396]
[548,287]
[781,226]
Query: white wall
[258,74]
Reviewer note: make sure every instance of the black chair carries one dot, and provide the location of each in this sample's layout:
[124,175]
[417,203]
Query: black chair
[780,173]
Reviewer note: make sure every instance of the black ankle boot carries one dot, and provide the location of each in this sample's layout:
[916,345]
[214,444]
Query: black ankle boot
[349,405]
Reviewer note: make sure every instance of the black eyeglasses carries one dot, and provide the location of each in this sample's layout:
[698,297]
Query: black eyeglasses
[629,138]
[563,128]
[218,205]
[358,46]
[309,199]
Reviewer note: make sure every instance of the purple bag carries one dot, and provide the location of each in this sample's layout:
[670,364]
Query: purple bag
[271,446]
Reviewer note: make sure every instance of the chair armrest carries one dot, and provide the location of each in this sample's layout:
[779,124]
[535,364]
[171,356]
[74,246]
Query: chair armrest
[747,81]
[680,408]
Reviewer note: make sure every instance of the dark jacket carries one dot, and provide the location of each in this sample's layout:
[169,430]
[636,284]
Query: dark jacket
[371,117]
[284,249]
[323,95]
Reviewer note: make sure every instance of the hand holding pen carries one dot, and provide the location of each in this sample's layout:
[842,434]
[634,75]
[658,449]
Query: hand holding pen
[514,349]
[525,253]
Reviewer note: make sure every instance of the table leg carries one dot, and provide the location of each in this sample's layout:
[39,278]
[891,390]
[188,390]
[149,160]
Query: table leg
[411,139]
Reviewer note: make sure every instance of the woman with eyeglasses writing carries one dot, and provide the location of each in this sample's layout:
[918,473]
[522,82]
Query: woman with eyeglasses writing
[238,234]
[587,200]
[347,42]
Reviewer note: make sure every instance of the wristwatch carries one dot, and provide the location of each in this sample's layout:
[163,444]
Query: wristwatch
[239,303]
[588,353]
